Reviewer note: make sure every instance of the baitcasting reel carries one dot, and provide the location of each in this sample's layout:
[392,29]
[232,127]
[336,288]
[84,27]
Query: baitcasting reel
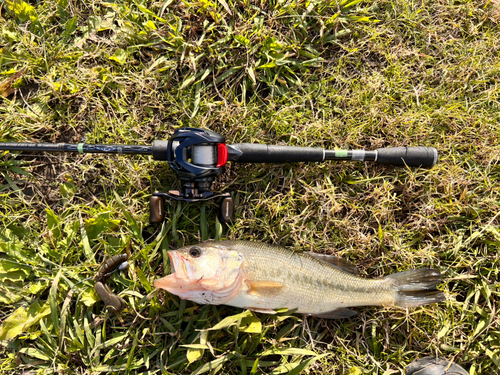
[197,156]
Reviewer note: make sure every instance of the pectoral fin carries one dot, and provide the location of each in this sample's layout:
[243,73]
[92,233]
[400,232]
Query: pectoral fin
[336,262]
[265,288]
[336,314]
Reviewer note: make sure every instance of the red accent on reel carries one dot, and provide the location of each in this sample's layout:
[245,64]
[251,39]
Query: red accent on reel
[221,154]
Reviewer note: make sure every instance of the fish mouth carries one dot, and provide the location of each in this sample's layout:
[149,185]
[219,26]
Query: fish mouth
[178,281]
[175,262]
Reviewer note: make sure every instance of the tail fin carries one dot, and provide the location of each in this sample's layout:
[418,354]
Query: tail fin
[417,287]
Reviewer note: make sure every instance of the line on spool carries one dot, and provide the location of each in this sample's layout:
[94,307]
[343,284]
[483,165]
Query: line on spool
[204,155]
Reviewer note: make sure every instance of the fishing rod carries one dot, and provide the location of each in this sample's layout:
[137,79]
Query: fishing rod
[197,156]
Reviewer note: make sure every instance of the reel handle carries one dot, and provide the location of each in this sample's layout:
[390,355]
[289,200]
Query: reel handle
[157,205]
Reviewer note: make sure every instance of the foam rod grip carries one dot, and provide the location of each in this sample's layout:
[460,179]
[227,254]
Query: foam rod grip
[257,153]
[411,156]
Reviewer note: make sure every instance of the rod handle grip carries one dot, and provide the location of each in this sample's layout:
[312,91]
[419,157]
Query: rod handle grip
[425,157]
[258,153]
[159,150]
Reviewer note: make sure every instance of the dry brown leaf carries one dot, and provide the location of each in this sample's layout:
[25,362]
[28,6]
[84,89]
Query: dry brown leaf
[6,88]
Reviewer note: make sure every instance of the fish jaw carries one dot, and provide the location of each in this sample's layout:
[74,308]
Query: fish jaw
[174,285]
[178,282]
[210,290]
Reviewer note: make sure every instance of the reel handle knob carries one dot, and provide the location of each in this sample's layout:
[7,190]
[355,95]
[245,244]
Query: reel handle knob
[226,210]
[156,209]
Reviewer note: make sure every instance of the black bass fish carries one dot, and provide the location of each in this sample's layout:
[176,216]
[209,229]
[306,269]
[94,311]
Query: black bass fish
[263,278]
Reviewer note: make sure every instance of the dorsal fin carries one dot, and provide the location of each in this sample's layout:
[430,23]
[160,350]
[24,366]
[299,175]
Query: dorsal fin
[337,262]
[265,288]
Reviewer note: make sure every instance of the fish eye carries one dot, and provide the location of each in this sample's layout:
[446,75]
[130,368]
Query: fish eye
[195,252]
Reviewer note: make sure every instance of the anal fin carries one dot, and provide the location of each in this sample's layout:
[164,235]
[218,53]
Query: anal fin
[340,313]
[336,262]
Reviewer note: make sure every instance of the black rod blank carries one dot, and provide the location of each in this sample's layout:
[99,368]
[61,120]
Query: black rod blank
[81,148]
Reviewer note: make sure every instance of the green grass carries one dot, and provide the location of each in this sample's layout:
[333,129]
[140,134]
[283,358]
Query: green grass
[316,73]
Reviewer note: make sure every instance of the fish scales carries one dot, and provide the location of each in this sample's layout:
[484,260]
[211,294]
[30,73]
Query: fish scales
[263,278]
[308,281]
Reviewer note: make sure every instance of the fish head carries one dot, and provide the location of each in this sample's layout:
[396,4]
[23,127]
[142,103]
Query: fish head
[204,273]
